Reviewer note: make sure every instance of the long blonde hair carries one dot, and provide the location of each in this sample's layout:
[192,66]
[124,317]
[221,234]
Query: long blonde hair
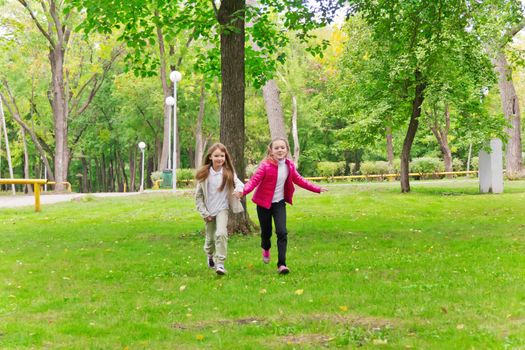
[227,168]
[269,157]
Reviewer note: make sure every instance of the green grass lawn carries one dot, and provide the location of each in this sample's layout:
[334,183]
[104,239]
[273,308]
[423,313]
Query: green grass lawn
[440,268]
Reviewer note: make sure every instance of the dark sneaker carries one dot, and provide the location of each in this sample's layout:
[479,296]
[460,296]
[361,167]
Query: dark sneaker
[211,263]
[220,270]
[283,270]
[266,256]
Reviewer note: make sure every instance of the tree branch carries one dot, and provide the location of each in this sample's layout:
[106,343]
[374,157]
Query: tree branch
[15,113]
[215,9]
[96,85]
[512,31]
[42,30]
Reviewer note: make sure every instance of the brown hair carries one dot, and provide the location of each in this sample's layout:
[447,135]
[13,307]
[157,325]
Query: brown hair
[270,145]
[227,168]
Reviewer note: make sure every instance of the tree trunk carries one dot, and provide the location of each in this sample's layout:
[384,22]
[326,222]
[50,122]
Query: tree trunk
[28,188]
[60,113]
[132,170]
[147,172]
[274,111]
[441,134]
[390,149]
[510,105]
[411,133]
[8,152]
[103,174]
[118,173]
[112,174]
[16,116]
[199,137]
[272,102]
[123,171]
[295,134]
[165,152]
[231,14]
[57,35]
[85,174]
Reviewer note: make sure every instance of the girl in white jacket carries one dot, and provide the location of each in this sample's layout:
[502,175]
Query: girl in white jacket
[218,191]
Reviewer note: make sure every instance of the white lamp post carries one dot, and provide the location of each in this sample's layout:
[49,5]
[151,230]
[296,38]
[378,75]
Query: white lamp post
[142,146]
[175,77]
[170,101]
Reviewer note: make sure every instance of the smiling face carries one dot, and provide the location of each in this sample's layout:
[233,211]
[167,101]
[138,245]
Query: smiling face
[279,150]
[217,158]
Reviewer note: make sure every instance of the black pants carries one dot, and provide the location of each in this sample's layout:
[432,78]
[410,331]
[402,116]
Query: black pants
[278,212]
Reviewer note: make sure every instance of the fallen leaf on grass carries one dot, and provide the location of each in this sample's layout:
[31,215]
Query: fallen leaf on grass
[460,326]
[182,288]
[380,341]
[262,291]
[343,308]
[199,337]
[299,292]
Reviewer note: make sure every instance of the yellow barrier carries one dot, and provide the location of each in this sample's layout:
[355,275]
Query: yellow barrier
[156,185]
[35,182]
[389,175]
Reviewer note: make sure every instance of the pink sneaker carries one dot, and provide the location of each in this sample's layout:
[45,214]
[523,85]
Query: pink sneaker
[283,270]
[266,256]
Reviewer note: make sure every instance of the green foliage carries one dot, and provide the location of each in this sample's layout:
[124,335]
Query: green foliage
[458,165]
[474,163]
[426,165]
[155,176]
[185,174]
[374,168]
[331,168]
[250,169]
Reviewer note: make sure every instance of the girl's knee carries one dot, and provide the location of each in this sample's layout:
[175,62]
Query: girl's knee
[282,234]
[221,235]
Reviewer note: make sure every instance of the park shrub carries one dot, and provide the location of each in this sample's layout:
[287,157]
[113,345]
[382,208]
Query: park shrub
[374,168]
[186,175]
[474,163]
[250,169]
[457,164]
[397,165]
[331,168]
[427,165]
[156,175]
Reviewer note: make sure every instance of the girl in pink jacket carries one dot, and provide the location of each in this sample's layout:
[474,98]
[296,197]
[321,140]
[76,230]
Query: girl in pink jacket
[275,178]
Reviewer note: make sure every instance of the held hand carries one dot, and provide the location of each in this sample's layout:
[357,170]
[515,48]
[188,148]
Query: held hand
[209,218]
[324,189]
[237,195]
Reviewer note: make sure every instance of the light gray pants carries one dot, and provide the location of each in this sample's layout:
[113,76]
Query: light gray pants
[216,243]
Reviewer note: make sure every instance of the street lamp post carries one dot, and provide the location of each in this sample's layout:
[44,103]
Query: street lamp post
[142,146]
[175,77]
[170,101]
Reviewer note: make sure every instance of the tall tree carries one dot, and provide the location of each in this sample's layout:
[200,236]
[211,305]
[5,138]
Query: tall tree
[497,22]
[72,86]
[417,37]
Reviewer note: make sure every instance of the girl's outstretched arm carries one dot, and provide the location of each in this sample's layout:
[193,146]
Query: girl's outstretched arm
[302,182]
[255,180]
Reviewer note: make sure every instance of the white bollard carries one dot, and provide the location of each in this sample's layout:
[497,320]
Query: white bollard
[491,168]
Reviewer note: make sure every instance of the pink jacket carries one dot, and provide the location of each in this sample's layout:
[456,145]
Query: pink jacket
[265,179]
